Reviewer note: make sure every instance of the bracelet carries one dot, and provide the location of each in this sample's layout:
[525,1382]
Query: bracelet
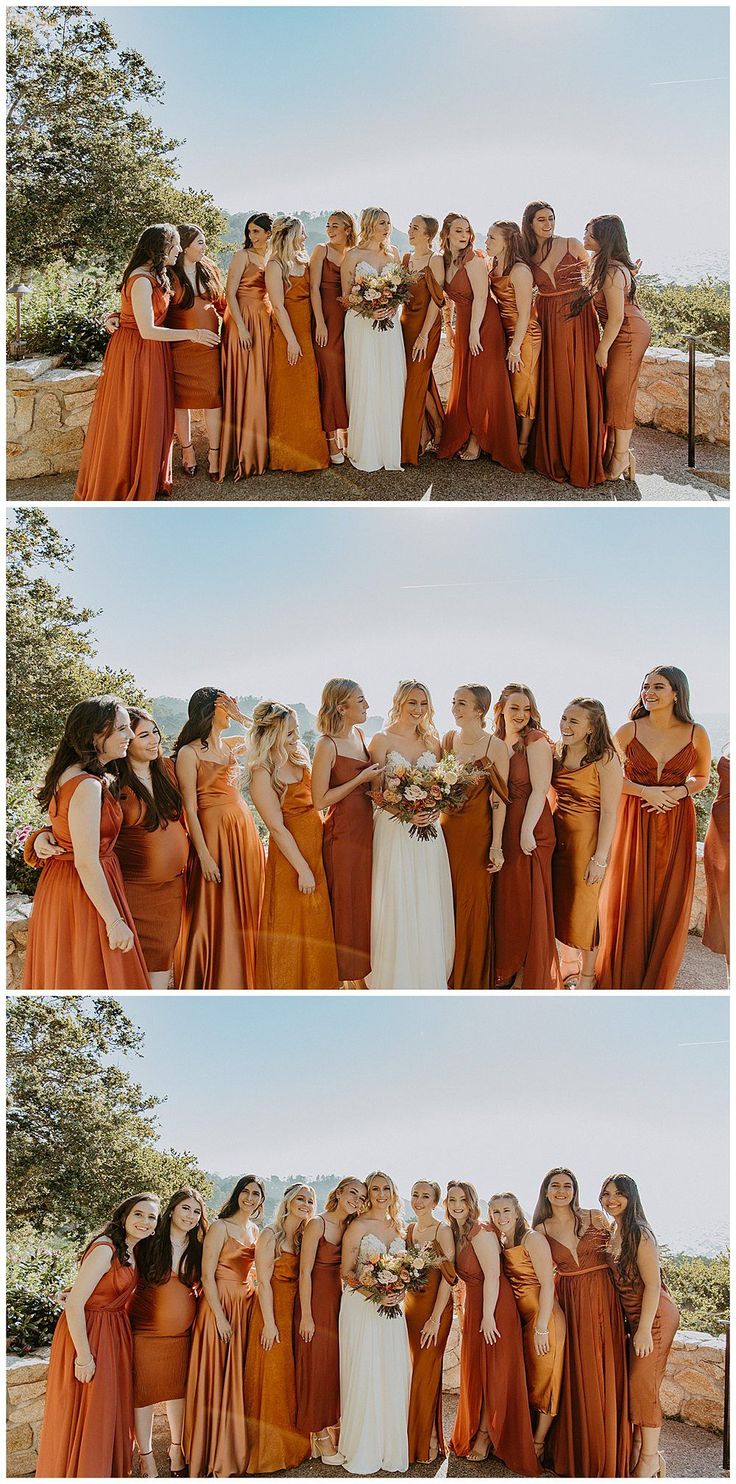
[119,918]
[603,864]
[541,1331]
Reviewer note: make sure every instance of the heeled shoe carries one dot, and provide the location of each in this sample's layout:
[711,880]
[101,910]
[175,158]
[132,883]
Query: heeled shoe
[144,1471]
[474,1456]
[337,454]
[182,1473]
[624,465]
[214,478]
[189,469]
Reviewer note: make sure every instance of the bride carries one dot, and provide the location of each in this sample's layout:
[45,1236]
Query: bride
[412,918]
[375,1367]
[375,361]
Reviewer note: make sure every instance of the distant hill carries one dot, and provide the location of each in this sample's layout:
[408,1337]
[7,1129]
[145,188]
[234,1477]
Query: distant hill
[315,225]
[275,1185]
[171,713]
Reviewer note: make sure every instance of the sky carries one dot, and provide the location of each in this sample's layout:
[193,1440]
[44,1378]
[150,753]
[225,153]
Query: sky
[468,108]
[272,601]
[495,1090]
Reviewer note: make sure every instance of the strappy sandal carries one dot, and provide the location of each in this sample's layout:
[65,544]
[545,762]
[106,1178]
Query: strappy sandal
[182,1473]
[188,469]
[144,1471]
[474,1456]
[214,478]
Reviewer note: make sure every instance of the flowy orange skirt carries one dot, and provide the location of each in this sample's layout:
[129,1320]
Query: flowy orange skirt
[274,1442]
[568,436]
[425,1398]
[214,1437]
[296,944]
[480,400]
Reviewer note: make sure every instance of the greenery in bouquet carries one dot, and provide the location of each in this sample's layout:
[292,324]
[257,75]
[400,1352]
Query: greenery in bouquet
[376,296]
[410,793]
[393,1275]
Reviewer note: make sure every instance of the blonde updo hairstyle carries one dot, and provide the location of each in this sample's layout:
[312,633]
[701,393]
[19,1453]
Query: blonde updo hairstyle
[278,1225]
[434,1187]
[349,223]
[427,729]
[336,692]
[394,1205]
[284,251]
[368,220]
[268,746]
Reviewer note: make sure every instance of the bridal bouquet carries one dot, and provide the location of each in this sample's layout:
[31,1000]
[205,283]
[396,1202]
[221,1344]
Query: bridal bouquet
[392,1274]
[385,291]
[410,791]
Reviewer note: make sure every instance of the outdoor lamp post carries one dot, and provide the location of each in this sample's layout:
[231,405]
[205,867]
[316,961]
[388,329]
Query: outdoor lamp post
[19,291]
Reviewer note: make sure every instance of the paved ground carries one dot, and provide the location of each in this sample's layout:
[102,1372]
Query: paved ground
[701,969]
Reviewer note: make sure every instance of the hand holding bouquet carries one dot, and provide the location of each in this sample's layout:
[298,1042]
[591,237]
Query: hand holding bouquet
[391,1275]
[377,296]
[417,796]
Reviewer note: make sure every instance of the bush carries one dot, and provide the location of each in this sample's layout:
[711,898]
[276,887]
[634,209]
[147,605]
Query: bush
[37,1273]
[23,815]
[700,1288]
[704,801]
[63,316]
[675,310]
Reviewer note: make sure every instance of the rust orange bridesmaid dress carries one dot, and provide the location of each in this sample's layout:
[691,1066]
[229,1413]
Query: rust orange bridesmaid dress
[67,938]
[621,376]
[87,1430]
[162,1316]
[318,1362]
[568,435]
[468,833]
[127,448]
[480,399]
[716,861]
[274,1440]
[543,1372]
[296,439]
[153,863]
[576,821]
[648,892]
[492,1376]
[296,944]
[591,1437]
[423,414]
[525,381]
[347,853]
[214,1439]
[197,381]
[217,944]
[523,922]
[646,1372]
[425,1399]
[244,437]
[331,357]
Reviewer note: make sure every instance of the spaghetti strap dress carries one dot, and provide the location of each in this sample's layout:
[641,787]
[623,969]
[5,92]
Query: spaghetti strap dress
[244,436]
[214,1436]
[347,852]
[621,376]
[425,1399]
[468,833]
[646,1372]
[318,1361]
[296,943]
[480,400]
[523,911]
[423,414]
[331,357]
[716,862]
[568,437]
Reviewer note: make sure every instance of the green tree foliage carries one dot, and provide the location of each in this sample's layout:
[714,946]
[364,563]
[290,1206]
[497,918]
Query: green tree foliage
[700,1286]
[675,310]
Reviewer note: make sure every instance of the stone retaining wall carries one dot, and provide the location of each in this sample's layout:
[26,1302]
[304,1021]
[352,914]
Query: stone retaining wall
[26,1397]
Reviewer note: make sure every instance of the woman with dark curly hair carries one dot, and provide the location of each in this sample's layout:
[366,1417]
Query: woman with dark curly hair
[246,354]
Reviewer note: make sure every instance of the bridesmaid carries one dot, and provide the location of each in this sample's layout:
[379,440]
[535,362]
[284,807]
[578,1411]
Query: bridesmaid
[421,326]
[296,944]
[295,437]
[587,778]
[197,301]
[611,284]
[87,1430]
[329,328]
[523,916]
[274,1439]
[81,933]
[317,1318]
[512,282]
[127,448]
[652,1318]
[480,408]
[473,836]
[162,1316]
[592,1435]
[342,774]
[648,894]
[214,1440]
[493,1410]
[716,861]
[527,1263]
[568,432]
[246,355]
[217,947]
[428,1322]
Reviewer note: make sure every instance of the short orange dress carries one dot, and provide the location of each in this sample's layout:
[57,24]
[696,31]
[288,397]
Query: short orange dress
[274,1440]
[347,853]
[318,1361]
[716,861]
[219,932]
[648,892]
[197,380]
[331,357]
[67,938]
[87,1430]
[296,944]
[621,376]
[154,864]
[523,921]
[646,1372]
[468,834]
[576,820]
[214,1436]
[162,1316]
[543,1372]
[425,1398]
[568,429]
[423,414]
[525,381]
[480,399]
[127,448]
[296,440]
[244,436]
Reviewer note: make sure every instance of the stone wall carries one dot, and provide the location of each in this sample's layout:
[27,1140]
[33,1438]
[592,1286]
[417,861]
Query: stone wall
[26,1396]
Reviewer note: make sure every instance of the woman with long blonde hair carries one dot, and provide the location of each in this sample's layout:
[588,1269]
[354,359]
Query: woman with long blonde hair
[375,364]
[412,920]
[296,440]
[296,945]
[325,267]
[512,282]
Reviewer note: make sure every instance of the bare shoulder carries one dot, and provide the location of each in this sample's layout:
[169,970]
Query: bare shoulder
[437,265]
[520,273]
[625,733]
[700,735]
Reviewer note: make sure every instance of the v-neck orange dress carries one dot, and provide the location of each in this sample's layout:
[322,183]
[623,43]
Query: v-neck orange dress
[480,399]
[296,943]
[244,435]
[423,414]
[214,1439]
[568,437]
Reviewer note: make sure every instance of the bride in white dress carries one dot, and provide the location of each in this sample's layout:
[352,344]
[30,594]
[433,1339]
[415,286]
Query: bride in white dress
[375,360]
[375,1365]
[412,914]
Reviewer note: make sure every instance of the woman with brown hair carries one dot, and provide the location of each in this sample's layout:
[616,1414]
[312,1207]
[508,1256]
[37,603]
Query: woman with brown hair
[512,282]
[325,288]
[611,286]
[421,326]
[296,440]
[246,355]
[197,301]
[317,1319]
[428,1322]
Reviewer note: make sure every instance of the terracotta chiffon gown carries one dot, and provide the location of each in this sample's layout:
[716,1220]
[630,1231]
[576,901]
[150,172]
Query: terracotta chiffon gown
[648,891]
[214,1438]
[646,1372]
[331,357]
[568,431]
[87,1430]
[480,399]
[244,436]
[621,377]
[576,821]
[523,914]
[492,1376]
[717,866]
[347,853]
[154,864]
[525,381]
[318,1362]
[468,833]
[217,945]
[543,1372]
[197,381]
[296,440]
[162,1316]
[423,414]
[127,448]
[591,1437]
[274,1440]
[425,1399]
[296,944]
[67,938]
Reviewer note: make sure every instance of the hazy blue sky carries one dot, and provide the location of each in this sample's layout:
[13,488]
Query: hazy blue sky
[493,1089]
[472,109]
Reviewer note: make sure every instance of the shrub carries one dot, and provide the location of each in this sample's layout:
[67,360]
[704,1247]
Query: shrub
[675,310]
[704,801]
[37,1273]
[700,1288]
[63,316]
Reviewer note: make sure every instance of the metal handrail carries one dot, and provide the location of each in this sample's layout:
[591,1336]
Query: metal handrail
[691,341]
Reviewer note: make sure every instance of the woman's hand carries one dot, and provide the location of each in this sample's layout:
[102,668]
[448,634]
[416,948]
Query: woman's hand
[372,772]
[383,313]
[489,1329]
[658,800]
[306,1328]
[205,337]
[270,1335]
[45,846]
[224,1328]
[245,338]
[513,357]
[594,872]
[84,1370]
[119,935]
[643,1342]
[430,1332]
[541,1341]
[474,343]
[320,334]
[390,1300]
[601,357]
[293,351]
[209,867]
[426,816]
[307,883]
[527,841]
[495,859]
[111,322]
[419,350]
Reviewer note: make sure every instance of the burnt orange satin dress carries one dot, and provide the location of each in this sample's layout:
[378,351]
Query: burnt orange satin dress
[425,1399]
[331,357]
[568,430]
[87,1430]
[154,864]
[67,938]
[214,1438]
[197,381]
[591,1437]
[576,820]
[525,381]
[347,852]
[162,1316]
[296,944]
[219,932]
[716,861]
[127,447]
[480,399]
[318,1361]
[646,1372]
[492,1376]
[296,440]
[244,436]
[648,892]
[543,1372]
[468,833]
[274,1440]
[523,921]
[621,376]
[423,414]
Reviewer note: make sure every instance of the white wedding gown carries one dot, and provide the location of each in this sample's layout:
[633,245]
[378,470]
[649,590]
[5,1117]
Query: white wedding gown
[375,377]
[412,913]
[375,1380]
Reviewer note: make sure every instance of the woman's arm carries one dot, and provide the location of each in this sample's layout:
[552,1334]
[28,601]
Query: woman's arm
[444,1292]
[275,287]
[267,803]
[498,754]
[538,1249]
[84,827]
[347,272]
[611,780]
[539,758]
[265,1259]
[213,1245]
[349,1251]
[322,795]
[614,286]
[186,773]
[478,275]
[647,1261]
[523,282]
[488,1253]
[700,776]
[315,294]
[234,275]
[94,1266]
[310,1242]
[141,298]
[437,269]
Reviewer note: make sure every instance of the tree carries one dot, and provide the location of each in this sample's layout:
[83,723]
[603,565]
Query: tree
[700,1287]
